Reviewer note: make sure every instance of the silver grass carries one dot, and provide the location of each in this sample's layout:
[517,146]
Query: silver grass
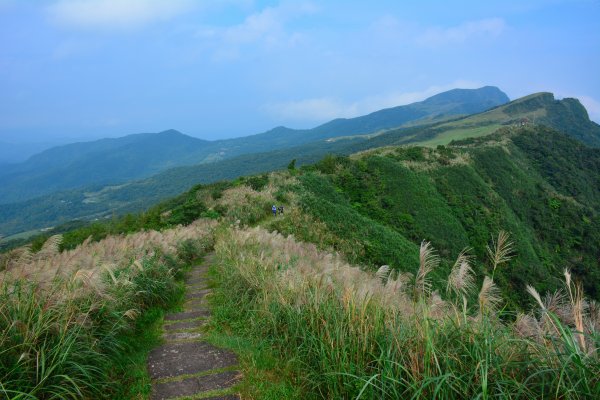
[428,261]
[51,246]
[575,292]
[527,326]
[556,303]
[534,293]
[383,273]
[489,296]
[461,280]
[501,250]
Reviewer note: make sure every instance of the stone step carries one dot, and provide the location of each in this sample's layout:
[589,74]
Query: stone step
[182,336]
[195,305]
[192,324]
[197,294]
[195,385]
[195,287]
[196,278]
[174,359]
[186,367]
[186,315]
[197,272]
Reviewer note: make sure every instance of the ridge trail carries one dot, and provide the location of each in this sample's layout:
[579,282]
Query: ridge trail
[186,366]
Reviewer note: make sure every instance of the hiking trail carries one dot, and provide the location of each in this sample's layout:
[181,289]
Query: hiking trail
[185,366]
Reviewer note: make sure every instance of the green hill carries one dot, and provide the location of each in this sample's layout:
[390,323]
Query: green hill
[103,201]
[341,296]
[99,162]
[536,183]
[112,161]
[567,115]
[343,292]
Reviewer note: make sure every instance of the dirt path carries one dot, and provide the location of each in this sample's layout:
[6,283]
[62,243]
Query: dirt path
[186,366]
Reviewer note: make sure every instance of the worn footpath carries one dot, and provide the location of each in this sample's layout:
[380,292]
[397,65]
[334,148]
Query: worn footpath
[186,366]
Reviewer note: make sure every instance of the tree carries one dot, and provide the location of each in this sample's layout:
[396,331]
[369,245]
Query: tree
[292,165]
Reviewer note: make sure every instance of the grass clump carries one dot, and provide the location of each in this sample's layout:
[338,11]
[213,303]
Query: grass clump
[348,333]
[72,323]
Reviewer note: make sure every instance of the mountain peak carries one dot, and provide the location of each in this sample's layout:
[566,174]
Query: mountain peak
[489,94]
[171,132]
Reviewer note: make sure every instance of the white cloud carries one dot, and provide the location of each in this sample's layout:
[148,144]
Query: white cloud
[490,27]
[266,27]
[114,14]
[315,109]
[322,109]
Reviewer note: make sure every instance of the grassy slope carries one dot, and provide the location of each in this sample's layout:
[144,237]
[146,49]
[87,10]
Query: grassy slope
[376,207]
[462,195]
[344,333]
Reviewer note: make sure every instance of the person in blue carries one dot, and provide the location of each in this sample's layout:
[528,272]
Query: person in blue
[274,209]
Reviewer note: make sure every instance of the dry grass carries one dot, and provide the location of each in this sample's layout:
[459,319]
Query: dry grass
[244,205]
[339,317]
[89,261]
[63,316]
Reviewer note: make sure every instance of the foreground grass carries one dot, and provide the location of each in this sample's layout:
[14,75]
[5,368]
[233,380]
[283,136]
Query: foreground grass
[338,332]
[265,375]
[73,332]
[80,347]
[131,373]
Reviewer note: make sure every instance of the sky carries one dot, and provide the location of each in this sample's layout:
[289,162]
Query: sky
[85,69]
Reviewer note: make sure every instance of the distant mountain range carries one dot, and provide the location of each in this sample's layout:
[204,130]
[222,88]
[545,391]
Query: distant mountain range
[13,152]
[99,201]
[113,161]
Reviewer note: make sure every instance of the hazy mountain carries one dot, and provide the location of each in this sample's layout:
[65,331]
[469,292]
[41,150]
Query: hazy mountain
[98,162]
[451,103]
[567,116]
[13,152]
[138,156]
[100,201]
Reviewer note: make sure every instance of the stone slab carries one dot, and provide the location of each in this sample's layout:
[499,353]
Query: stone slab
[193,386]
[198,294]
[174,359]
[177,326]
[179,336]
[186,315]
[195,305]
[196,287]
[195,281]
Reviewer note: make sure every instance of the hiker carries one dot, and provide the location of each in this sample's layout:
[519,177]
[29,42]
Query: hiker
[280,210]
[274,209]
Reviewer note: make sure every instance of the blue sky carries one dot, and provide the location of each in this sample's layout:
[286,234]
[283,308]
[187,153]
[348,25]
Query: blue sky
[85,69]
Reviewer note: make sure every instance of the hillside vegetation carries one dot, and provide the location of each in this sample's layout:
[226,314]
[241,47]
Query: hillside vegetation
[348,333]
[567,116]
[534,182]
[114,161]
[455,271]
[71,321]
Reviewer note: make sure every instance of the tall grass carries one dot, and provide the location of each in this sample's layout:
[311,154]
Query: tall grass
[357,334]
[62,315]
